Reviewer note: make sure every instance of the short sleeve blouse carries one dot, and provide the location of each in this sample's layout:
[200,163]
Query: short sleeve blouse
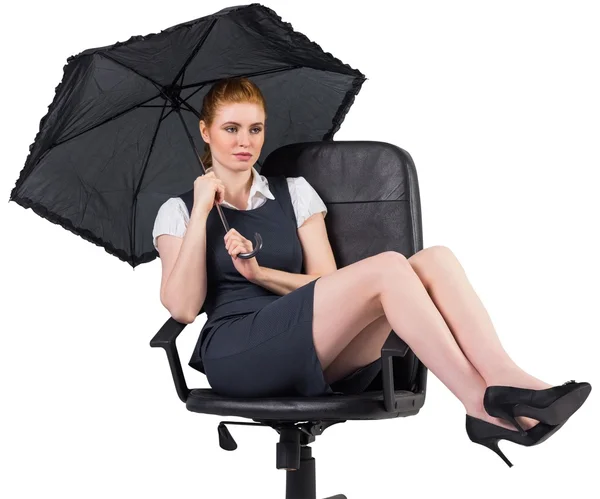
[173,217]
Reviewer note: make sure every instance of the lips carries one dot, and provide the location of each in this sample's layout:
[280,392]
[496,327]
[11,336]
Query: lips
[244,155]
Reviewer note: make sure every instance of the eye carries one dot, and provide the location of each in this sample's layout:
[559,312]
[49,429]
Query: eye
[255,128]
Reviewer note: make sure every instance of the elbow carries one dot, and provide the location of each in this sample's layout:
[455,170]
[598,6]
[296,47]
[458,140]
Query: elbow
[179,315]
[182,316]
[183,319]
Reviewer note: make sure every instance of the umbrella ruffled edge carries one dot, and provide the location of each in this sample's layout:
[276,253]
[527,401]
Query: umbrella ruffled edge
[300,37]
[66,223]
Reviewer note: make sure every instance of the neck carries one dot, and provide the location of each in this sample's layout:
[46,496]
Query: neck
[237,184]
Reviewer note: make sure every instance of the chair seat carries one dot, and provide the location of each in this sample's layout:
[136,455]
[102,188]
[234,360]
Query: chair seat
[366,405]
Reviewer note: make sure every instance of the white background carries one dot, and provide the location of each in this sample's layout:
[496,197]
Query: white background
[498,105]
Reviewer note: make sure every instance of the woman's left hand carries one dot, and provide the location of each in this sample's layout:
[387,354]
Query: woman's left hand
[235,243]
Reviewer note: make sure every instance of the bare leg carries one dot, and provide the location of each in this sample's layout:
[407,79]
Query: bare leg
[414,317]
[386,284]
[448,286]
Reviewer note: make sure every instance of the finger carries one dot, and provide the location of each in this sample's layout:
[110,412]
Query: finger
[241,248]
[230,243]
[233,240]
[238,237]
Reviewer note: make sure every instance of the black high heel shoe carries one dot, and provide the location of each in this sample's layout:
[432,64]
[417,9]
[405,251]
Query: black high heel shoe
[488,434]
[552,405]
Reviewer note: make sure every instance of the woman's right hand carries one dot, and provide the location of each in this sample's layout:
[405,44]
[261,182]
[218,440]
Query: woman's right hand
[207,187]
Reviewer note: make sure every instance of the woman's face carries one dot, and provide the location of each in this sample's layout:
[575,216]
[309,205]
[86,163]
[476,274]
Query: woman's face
[237,128]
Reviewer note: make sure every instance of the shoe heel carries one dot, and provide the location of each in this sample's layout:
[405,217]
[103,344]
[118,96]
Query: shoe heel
[492,443]
[502,411]
[506,413]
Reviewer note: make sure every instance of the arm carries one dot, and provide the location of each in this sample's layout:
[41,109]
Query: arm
[317,254]
[281,282]
[183,286]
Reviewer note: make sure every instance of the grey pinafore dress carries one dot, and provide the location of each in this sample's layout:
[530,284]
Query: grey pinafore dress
[255,342]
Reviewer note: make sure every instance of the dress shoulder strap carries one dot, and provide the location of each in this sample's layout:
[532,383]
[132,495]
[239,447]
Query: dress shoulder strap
[279,187]
[188,199]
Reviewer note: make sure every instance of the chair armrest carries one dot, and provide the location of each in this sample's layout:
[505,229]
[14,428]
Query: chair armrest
[394,346]
[165,338]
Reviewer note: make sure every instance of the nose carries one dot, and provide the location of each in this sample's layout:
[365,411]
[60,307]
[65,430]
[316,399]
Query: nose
[243,139]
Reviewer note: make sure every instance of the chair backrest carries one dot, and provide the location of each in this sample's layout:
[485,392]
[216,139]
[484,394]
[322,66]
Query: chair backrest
[370,190]
[372,196]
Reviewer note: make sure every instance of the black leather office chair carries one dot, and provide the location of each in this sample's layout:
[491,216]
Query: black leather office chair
[372,196]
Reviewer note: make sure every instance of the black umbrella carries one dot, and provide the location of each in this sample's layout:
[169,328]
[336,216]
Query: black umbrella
[115,143]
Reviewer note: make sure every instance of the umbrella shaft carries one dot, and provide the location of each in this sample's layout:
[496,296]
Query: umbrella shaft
[225,224]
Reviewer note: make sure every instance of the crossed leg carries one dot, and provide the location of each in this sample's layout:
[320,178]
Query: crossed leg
[467,321]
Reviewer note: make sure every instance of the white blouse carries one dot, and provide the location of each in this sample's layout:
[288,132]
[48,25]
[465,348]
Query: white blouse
[173,217]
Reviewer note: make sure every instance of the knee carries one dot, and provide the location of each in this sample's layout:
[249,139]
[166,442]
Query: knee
[433,254]
[392,262]
[392,257]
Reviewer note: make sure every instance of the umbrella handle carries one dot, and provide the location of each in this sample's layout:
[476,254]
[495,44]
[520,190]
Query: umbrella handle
[258,243]
[257,247]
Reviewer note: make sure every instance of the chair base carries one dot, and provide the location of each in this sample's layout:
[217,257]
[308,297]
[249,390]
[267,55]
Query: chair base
[293,453]
[301,483]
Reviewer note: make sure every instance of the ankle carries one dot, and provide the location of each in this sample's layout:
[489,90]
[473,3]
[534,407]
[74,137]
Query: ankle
[517,378]
[475,409]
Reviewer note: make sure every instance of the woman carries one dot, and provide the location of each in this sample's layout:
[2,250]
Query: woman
[273,330]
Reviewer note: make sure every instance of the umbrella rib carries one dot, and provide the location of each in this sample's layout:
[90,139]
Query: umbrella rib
[202,84]
[157,85]
[195,51]
[141,104]
[245,75]
[102,122]
[137,189]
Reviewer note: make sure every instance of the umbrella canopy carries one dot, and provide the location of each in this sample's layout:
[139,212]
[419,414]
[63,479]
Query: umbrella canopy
[116,142]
